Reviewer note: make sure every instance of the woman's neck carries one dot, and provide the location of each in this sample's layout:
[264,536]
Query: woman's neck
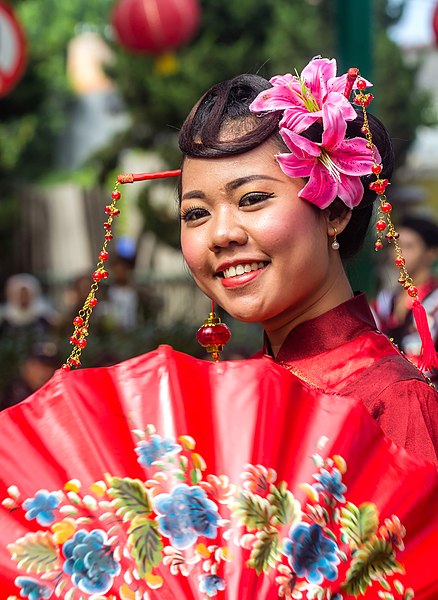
[278,329]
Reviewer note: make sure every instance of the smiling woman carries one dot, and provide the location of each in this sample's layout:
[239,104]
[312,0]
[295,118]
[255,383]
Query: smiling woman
[277,189]
[116,502]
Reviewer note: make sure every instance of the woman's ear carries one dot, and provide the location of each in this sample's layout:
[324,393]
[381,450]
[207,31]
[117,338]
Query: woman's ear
[337,217]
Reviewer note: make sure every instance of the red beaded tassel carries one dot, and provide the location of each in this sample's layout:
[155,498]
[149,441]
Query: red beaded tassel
[81,321]
[428,355]
[213,334]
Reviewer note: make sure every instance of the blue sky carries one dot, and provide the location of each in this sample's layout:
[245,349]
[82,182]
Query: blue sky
[415,27]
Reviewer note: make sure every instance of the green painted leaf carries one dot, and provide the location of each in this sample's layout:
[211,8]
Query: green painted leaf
[284,508]
[375,560]
[130,497]
[359,524]
[252,510]
[35,552]
[266,551]
[145,543]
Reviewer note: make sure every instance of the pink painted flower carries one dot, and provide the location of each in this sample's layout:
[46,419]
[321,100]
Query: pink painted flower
[334,165]
[302,98]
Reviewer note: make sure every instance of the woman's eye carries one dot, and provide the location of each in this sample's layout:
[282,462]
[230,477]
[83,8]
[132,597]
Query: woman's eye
[193,213]
[254,198]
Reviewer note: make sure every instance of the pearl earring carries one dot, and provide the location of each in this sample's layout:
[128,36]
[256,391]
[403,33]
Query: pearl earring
[335,243]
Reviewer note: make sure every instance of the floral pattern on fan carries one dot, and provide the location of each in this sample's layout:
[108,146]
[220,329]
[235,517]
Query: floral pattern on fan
[121,537]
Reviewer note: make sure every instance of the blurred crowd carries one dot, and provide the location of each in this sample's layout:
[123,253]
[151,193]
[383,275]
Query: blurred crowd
[34,336]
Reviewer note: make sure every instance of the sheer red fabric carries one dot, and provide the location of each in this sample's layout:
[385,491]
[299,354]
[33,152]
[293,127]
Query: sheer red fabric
[342,351]
[254,425]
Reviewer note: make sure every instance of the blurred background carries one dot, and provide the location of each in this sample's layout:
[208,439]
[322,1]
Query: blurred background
[92,89]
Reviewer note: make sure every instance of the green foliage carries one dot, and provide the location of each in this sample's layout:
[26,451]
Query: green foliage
[252,510]
[35,552]
[399,103]
[34,113]
[375,560]
[146,544]
[359,524]
[130,497]
[283,505]
[266,551]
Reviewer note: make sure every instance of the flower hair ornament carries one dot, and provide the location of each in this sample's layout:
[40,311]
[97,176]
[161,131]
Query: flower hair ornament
[334,166]
[212,335]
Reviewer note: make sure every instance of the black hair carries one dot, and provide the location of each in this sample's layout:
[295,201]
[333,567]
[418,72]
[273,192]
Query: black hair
[226,104]
[427,229]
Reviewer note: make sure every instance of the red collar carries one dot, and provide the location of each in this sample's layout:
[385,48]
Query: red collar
[326,332]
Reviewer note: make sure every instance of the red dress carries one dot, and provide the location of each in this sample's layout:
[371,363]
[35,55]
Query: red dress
[342,351]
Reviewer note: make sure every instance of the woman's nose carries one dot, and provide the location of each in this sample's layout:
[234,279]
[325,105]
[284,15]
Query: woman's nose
[226,229]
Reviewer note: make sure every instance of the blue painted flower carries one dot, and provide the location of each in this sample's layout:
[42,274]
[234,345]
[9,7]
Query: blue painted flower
[184,514]
[155,448]
[210,584]
[41,507]
[332,483]
[90,561]
[32,589]
[311,554]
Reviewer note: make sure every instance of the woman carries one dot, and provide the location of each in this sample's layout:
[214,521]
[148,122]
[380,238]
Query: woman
[192,531]
[269,248]
[420,244]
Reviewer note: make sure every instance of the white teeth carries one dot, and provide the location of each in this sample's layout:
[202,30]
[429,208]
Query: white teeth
[241,269]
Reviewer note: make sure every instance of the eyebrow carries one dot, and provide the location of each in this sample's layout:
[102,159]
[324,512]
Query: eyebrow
[231,186]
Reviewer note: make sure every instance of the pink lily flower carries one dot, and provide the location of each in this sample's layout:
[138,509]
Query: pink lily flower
[302,98]
[333,166]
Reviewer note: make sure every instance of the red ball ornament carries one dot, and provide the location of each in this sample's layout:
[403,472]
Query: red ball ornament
[213,335]
[65,367]
[154,26]
[386,207]
[400,261]
[93,302]
[412,291]
[361,84]
[78,321]
[115,195]
[378,245]
[103,255]
[380,225]
[82,343]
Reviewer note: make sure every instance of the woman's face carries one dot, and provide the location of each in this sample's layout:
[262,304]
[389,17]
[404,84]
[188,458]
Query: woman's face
[251,243]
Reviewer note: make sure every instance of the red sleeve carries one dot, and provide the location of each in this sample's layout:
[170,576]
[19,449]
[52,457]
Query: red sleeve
[407,411]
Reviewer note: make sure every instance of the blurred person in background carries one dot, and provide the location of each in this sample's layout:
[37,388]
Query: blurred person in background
[123,301]
[36,368]
[393,309]
[26,312]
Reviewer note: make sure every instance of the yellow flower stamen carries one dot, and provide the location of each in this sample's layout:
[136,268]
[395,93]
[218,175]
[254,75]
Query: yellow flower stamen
[325,159]
[306,95]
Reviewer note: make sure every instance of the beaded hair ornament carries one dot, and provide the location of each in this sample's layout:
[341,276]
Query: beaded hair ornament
[332,167]
[212,335]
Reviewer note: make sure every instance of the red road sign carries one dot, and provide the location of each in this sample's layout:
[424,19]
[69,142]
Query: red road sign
[12,49]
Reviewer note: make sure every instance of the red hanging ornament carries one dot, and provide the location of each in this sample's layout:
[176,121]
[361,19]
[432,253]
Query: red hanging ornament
[213,335]
[154,26]
[435,23]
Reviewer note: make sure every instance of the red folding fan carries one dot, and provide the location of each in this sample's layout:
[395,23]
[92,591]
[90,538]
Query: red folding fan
[171,477]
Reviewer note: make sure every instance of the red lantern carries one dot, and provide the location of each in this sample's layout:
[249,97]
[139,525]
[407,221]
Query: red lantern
[435,23]
[155,26]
